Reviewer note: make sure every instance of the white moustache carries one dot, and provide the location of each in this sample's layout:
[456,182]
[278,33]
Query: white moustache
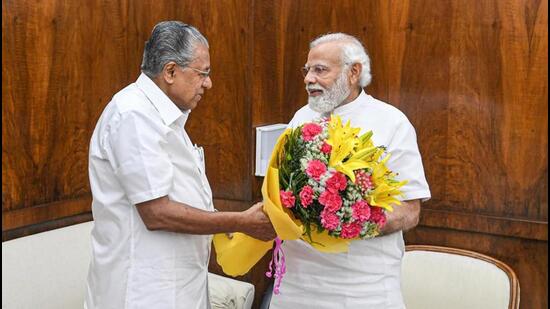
[309,89]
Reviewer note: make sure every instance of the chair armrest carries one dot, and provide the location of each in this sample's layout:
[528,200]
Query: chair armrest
[229,293]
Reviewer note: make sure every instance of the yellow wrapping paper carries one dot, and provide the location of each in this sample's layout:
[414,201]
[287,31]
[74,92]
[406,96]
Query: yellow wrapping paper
[236,256]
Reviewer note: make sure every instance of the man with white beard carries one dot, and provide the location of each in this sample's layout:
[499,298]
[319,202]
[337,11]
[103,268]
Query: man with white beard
[368,275]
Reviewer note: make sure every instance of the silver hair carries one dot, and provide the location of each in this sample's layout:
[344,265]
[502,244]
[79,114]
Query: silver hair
[352,52]
[170,41]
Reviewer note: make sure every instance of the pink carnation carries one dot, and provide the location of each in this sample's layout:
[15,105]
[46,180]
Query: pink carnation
[310,130]
[351,230]
[332,201]
[337,182]
[326,148]
[378,216]
[315,169]
[287,199]
[361,211]
[306,196]
[329,220]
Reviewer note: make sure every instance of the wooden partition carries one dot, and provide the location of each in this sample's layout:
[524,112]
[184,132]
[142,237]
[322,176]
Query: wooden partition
[471,76]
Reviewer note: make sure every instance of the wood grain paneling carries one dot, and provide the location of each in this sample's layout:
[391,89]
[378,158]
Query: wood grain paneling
[40,213]
[59,67]
[471,76]
[45,226]
[480,223]
[62,63]
[223,123]
[487,126]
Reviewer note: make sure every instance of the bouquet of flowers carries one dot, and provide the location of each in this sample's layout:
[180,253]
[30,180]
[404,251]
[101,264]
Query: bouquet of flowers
[332,179]
[326,185]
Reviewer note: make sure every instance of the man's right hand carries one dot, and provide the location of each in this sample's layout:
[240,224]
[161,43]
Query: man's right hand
[257,224]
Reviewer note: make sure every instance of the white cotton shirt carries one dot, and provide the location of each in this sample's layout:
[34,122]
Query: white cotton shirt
[139,151]
[368,275]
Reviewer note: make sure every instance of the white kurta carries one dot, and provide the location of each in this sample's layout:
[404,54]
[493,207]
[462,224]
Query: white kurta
[140,151]
[368,276]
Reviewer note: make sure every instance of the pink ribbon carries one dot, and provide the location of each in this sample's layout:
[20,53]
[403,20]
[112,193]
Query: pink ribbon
[278,260]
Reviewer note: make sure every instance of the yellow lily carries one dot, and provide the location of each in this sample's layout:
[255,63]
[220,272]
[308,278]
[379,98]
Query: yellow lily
[343,140]
[385,195]
[345,143]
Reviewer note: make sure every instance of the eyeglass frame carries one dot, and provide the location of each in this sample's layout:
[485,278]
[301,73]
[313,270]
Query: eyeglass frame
[305,69]
[202,74]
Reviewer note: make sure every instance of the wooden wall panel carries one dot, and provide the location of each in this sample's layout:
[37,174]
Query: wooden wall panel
[62,64]
[487,128]
[223,123]
[470,75]
[54,82]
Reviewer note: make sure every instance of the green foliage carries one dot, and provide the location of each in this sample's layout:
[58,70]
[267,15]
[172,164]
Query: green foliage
[291,177]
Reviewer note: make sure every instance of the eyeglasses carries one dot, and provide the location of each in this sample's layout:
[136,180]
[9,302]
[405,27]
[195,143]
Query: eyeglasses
[317,70]
[202,74]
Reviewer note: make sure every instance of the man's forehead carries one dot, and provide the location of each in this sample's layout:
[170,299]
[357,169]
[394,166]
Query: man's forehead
[201,51]
[325,54]
[201,55]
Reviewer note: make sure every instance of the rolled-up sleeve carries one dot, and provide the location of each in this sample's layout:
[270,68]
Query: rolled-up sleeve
[135,145]
[406,161]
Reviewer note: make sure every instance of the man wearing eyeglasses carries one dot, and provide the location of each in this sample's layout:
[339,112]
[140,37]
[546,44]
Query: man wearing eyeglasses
[152,204]
[368,275]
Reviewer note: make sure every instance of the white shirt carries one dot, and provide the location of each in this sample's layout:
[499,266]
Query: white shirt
[140,151]
[368,276]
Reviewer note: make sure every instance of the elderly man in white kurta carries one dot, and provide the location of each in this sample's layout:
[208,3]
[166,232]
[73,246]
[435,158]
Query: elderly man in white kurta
[368,276]
[152,204]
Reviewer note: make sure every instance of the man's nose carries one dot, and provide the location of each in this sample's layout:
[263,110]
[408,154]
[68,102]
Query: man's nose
[310,78]
[207,83]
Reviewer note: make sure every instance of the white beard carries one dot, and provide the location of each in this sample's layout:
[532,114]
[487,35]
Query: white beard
[331,98]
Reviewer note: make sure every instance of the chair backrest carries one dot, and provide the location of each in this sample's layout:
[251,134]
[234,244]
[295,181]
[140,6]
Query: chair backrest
[442,277]
[46,270]
[49,270]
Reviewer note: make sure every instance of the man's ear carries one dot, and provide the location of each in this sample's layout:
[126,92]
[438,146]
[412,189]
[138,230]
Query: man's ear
[169,72]
[355,72]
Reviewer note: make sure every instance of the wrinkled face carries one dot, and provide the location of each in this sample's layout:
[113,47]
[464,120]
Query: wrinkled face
[189,84]
[327,80]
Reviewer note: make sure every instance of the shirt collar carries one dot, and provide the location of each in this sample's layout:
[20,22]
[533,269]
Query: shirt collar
[168,111]
[362,97]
